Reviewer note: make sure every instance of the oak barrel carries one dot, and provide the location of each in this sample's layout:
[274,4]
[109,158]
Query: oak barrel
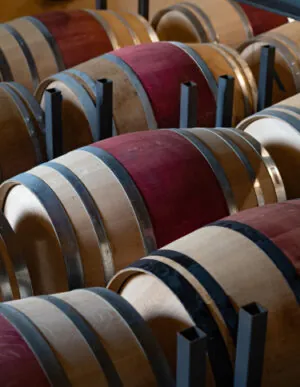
[35,47]
[222,21]
[287,66]
[277,128]
[85,215]
[70,339]
[204,279]
[22,138]
[146,82]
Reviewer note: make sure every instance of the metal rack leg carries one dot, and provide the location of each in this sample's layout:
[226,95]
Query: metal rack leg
[143,8]
[266,77]
[101,4]
[191,358]
[250,346]
[188,105]
[104,108]
[53,123]
[225,102]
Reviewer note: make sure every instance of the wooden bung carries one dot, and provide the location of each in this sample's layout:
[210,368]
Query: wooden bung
[277,129]
[22,144]
[287,65]
[196,281]
[80,236]
[71,346]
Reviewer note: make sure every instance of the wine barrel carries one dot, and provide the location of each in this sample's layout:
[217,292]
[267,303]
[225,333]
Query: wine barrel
[22,142]
[222,21]
[88,214]
[222,60]
[147,83]
[262,20]
[15,282]
[287,66]
[63,342]
[277,128]
[196,281]
[35,47]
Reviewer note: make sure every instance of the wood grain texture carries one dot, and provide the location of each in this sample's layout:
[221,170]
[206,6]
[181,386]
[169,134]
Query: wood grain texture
[18,364]
[78,35]
[261,20]
[244,271]
[161,68]
[176,182]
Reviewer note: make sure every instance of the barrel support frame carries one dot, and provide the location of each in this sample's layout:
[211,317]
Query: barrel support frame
[188,105]
[101,4]
[53,123]
[104,110]
[266,77]
[225,101]
[251,340]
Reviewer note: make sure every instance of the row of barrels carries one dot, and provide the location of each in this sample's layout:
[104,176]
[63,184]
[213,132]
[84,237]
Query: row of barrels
[127,337]
[151,97]
[35,47]
[82,217]
[142,98]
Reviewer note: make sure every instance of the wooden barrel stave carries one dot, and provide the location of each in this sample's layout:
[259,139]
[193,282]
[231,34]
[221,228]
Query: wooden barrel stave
[248,269]
[41,51]
[23,146]
[18,58]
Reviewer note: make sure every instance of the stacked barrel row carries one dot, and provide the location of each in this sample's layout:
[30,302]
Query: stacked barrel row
[142,98]
[35,47]
[95,337]
[85,215]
